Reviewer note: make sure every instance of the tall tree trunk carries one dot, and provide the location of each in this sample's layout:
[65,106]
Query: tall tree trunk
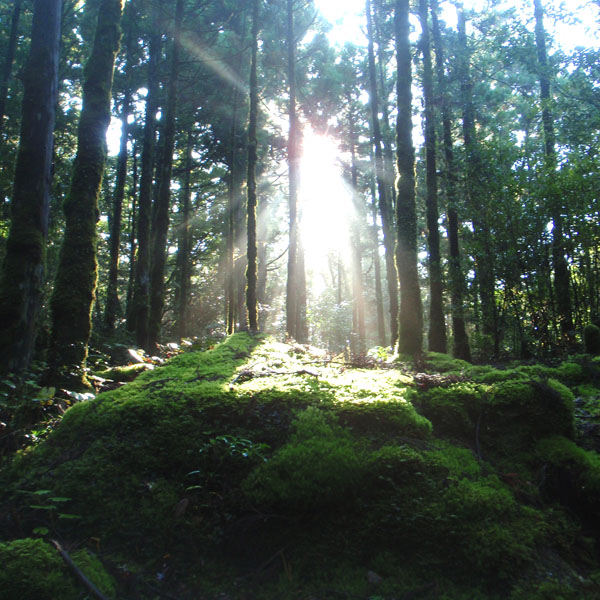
[75,284]
[411,310]
[437,323]
[112,293]
[10,55]
[461,348]
[358,312]
[382,188]
[484,260]
[562,278]
[295,314]
[132,235]
[160,211]
[184,245]
[252,268]
[138,319]
[24,263]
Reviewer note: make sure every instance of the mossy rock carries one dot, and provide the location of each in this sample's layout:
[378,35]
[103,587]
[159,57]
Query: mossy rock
[572,476]
[442,363]
[516,414]
[125,373]
[591,339]
[31,569]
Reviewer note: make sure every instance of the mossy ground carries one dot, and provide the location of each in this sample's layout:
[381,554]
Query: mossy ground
[263,470]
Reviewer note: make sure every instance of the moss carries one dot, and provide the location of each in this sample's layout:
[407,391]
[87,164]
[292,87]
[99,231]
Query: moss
[125,373]
[33,570]
[319,466]
[591,339]
[453,410]
[441,363]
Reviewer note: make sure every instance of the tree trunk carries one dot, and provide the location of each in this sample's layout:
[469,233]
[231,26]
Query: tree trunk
[132,236]
[22,275]
[75,284]
[295,313]
[138,321]
[484,260]
[461,348]
[184,246]
[160,211]
[252,268]
[11,51]
[562,277]
[382,188]
[112,293]
[437,323]
[411,312]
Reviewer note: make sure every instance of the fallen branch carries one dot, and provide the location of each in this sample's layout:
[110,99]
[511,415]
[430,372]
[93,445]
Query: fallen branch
[78,572]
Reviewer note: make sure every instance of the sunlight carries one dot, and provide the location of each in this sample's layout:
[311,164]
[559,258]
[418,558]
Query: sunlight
[326,202]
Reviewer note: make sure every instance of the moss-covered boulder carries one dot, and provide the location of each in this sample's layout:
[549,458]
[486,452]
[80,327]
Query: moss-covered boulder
[32,569]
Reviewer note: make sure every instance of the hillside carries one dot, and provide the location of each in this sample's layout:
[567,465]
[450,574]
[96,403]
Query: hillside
[264,470]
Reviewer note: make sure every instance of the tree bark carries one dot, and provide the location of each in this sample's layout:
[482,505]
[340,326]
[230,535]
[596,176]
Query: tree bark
[382,188]
[437,322]
[75,285]
[252,268]
[411,311]
[22,275]
[160,211]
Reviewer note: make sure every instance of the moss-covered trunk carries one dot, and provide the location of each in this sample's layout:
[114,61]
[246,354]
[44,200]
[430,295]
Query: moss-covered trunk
[22,274]
[160,211]
[461,348]
[75,284]
[385,209]
[252,268]
[437,323]
[138,316]
[411,311]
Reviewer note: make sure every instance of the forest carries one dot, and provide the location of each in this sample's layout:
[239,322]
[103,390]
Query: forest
[299,299]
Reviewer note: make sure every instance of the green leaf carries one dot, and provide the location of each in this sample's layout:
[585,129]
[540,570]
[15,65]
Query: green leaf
[41,531]
[40,507]
[41,492]
[68,516]
[59,499]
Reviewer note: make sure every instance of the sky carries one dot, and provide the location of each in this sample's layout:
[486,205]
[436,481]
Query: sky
[347,19]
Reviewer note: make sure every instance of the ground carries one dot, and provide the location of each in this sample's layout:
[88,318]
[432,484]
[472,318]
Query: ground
[262,470]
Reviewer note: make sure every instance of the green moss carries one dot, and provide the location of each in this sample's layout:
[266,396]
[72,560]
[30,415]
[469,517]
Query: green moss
[319,466]
[33,570]
[441,363]
[93,569]
[591,339]
[125,373]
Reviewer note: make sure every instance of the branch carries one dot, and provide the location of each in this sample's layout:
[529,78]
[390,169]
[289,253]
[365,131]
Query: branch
[80,575]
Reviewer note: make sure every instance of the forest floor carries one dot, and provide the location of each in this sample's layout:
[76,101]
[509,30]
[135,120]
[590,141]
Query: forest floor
[263,470]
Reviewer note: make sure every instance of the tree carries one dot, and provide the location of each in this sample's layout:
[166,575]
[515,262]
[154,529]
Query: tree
[160,209]
[75,284]
[410,340]
[562,286]
[10,57]
[437,325]
[23,268]
[385,209]
[252,269]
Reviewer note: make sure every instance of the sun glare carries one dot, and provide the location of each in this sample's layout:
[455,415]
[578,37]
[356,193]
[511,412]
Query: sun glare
[326,201]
